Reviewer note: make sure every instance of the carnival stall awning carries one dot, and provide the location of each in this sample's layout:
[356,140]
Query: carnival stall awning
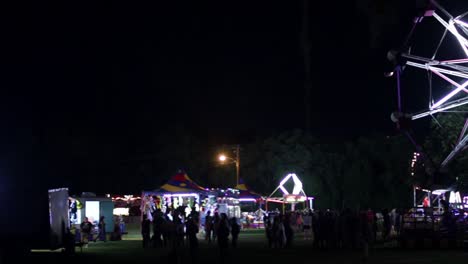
[180,183]
[245,194]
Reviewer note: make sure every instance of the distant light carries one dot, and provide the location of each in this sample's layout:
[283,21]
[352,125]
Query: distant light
[121,211]
[247,200]
[455,197]
[181,195]
[222,157]
[388,74]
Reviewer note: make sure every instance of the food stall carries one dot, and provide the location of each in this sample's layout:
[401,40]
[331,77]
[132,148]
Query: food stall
[179,191]
[251,207]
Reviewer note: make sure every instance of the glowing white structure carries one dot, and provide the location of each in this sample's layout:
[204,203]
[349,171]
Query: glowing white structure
[297,189]
[453,71]
[296,196]
[455,198]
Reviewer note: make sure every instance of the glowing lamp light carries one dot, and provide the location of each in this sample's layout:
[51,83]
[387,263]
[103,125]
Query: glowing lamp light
[222,158]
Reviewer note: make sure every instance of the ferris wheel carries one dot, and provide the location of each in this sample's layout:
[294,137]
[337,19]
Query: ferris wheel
[454,71]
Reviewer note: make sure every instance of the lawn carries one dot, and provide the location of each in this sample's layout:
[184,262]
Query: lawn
[252,249]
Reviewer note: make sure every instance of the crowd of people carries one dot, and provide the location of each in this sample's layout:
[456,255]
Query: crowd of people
[331,228]
[174,230]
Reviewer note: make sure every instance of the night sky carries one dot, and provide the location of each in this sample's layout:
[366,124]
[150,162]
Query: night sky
[95,84]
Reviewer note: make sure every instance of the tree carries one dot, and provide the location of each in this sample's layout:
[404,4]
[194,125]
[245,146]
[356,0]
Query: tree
[444,134]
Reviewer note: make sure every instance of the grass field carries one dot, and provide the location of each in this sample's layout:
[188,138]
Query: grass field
[252,249]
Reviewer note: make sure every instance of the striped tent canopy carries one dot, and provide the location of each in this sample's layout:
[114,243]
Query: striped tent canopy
[181,183]
[245,192]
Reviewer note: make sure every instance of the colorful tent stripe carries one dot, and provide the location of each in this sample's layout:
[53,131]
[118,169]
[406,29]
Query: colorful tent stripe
[245,192]
[181,183]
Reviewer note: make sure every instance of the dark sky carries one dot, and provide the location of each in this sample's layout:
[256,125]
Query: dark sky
[97,82]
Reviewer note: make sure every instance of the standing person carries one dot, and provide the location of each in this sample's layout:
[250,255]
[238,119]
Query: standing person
[145,231]
[280,236]
[387,226]
[307,226]
[85,228]
[235,230]
[180,233]
[216,221]
[192,230]
[269,232]
[299,222]
[223,236]
[398,219]
[208,226]
[365,237]
[288,230]
[316,229]
[157,228]
[102,229]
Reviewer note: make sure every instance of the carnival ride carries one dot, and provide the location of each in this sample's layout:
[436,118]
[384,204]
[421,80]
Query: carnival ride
[457,69]
[440,69]
[295,197]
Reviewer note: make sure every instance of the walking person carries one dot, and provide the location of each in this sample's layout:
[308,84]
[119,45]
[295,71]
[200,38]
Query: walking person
[235,230]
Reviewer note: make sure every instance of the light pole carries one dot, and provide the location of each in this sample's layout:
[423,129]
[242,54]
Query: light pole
[223,158]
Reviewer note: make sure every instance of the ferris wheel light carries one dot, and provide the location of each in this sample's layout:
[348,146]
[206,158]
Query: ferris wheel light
[461,23]
[450,95]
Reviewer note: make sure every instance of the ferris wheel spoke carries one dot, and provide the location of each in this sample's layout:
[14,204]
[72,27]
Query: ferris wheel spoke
[447,78]
[451,27]
[462,133]
[454,104]
[458,148]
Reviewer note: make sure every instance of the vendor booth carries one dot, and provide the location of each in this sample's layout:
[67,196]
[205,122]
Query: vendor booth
[88,205]
[250,204]
[438,198]
[179,191]
[227,202]
[296,197]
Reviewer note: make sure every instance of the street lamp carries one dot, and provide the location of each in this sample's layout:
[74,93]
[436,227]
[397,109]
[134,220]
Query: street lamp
[236,161]
[222,158]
